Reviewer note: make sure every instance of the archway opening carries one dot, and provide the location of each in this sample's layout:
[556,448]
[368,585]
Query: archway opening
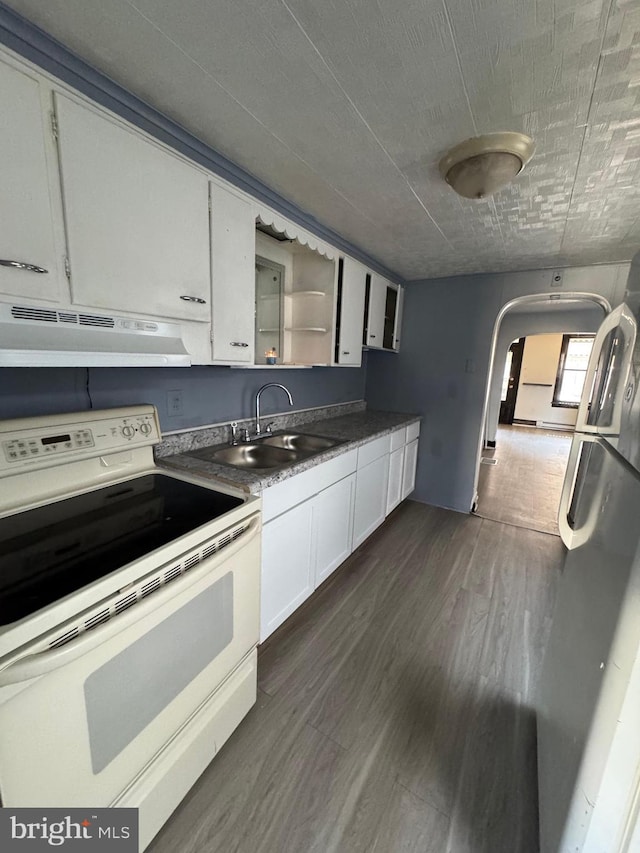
[520,466]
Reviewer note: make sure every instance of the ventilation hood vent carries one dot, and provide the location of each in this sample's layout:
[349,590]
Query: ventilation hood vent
[33,336]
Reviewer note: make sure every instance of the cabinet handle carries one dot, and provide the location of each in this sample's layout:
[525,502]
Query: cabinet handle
[19,265]
[345,352]
[239,344]
[194,299]
[372,336]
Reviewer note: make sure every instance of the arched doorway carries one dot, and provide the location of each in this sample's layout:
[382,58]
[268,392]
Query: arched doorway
[527,316]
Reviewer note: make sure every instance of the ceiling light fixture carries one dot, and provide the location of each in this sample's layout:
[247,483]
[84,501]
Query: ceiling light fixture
[480,166]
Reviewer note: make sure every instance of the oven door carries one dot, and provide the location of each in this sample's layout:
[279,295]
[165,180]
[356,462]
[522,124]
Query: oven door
[84,724]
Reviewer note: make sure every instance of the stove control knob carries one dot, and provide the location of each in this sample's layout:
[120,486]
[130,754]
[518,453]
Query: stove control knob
[145,428]
[128,431]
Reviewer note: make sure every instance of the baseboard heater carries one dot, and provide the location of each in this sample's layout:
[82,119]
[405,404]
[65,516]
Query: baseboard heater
[545,424]
[555,425]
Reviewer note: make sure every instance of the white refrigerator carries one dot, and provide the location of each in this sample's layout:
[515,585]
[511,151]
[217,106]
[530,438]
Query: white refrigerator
[589,697]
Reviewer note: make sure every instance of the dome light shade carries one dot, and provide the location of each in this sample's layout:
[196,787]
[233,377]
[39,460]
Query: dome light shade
[480,166]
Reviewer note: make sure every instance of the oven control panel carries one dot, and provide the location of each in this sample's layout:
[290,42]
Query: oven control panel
[17,448]
[36,441]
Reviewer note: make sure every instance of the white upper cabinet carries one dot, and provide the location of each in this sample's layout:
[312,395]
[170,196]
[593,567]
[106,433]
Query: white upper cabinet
[350,312]
[295,298]
[383,314]
[233,242]
[397,326]
[30,216]
[136,219]
[374,321]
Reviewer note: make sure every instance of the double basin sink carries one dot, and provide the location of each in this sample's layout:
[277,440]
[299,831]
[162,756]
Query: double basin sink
[275,450]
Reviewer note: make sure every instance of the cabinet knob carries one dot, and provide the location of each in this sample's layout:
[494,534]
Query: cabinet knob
[19,265]
[239,344]
[194,299]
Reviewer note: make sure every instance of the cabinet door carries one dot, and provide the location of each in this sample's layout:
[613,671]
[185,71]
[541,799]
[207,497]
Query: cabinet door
[398,320]
[287,567]
[233,248]
[29,206]
[351,313]
[333,526]
[371,498]
[396,469]
[409,472]
[375,311]
[137,220]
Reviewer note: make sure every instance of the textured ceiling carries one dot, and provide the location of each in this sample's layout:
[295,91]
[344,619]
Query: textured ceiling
[346,106]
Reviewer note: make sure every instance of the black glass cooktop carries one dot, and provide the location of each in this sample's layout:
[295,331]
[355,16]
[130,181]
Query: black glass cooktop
[49,552]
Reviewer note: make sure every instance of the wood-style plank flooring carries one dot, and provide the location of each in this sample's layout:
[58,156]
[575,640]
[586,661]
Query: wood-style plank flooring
[395,708]
[524,487]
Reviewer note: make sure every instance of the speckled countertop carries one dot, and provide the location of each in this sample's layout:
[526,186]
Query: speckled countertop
[353,429]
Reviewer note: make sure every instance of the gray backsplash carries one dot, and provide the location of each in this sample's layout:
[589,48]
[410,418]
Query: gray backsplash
[182,442]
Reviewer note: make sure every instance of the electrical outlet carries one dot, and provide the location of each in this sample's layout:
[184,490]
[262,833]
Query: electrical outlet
[174,403]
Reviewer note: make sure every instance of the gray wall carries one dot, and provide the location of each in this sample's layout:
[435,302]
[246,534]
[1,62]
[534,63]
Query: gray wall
[209,394]
[442,371]
[514,326]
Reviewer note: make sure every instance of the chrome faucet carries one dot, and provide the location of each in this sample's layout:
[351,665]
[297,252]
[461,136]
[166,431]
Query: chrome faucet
[258,428]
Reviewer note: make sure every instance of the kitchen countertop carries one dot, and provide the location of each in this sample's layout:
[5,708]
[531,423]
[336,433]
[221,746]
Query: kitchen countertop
[353,429]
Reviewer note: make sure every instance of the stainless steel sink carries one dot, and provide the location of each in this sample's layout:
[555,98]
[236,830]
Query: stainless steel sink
[273,451]
[300,441]
[254,455]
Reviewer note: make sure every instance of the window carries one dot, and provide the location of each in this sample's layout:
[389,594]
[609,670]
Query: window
[572,369]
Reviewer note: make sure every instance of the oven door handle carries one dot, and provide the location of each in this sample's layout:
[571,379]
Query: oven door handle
[29,666]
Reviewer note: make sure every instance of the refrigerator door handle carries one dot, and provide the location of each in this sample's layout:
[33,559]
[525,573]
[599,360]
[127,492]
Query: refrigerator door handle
[575,537]
[622,317]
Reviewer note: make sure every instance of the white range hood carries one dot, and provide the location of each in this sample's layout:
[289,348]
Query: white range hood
[34,336]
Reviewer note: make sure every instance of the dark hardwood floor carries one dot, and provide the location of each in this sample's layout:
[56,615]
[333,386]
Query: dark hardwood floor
[525,484]
[395,708]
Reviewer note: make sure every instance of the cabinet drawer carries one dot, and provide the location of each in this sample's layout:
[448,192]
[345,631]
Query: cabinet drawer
[373,450]
[413,431]
[398,439]
[281,497]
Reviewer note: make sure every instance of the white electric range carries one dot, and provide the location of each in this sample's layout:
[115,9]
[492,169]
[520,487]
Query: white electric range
[129,615]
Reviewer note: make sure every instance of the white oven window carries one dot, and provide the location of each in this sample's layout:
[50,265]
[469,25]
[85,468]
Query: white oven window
[127,692]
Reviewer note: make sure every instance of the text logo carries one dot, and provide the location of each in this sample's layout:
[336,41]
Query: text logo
[70,830]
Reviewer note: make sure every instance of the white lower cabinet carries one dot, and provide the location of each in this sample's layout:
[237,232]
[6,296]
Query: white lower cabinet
[371,498]
[302,545]
[314,520]
[287,566]
[409,468]
[333,526]
[396,470]
[371,488]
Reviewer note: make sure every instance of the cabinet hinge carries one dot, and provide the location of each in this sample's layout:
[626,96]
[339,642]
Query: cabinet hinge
[54,125]
[67,269]
[211,336]
[209,200]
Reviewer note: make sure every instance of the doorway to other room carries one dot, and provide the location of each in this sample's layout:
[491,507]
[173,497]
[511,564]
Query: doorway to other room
[540,352]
